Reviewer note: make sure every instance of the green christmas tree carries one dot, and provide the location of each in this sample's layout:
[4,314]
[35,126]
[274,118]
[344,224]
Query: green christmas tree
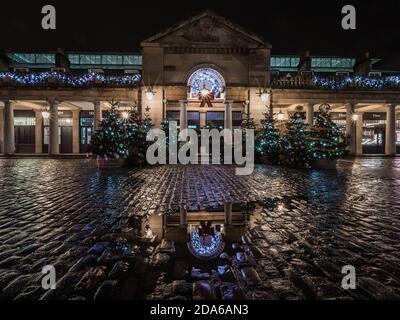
[248,122]
[295,143]
[109,141]
[268,139]
[326,140]
[136,137]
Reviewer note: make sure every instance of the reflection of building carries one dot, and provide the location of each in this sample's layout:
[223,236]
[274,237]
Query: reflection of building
[204,232]
[205,69]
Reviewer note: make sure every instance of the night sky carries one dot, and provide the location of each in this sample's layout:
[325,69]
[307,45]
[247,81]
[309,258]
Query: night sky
[291,27]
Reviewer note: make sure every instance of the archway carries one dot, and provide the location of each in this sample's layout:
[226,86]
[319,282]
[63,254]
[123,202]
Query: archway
[206,78]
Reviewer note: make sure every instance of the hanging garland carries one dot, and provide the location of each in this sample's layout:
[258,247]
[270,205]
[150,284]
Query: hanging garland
[92,78]
[358,82]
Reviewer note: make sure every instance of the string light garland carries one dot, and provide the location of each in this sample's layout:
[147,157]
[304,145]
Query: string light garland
[392,82]
[69,80]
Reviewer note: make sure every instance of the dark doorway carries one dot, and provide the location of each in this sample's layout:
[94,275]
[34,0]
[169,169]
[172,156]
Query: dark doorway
[24,139]
[66,140]
[64,132]
[24,131]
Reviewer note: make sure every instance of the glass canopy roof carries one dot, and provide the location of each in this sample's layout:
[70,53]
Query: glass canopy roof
[127,61]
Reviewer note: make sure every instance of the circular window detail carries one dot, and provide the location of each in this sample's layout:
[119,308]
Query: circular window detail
[206,79]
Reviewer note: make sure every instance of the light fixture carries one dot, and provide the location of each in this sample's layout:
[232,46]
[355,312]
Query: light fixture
[354,117]
[281,116]
[149,94]
[264,95]
[45,114]
[125,115]
[204,92]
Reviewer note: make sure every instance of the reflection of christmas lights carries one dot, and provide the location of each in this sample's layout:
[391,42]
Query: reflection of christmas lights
[206,251]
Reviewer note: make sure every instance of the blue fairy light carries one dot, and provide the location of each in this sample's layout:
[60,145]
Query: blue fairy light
[69,80]
[391,82]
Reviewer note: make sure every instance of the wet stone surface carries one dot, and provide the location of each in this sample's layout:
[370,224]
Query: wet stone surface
[304,228]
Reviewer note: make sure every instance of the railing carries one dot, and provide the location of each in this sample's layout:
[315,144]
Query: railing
[59,79]
[337,82]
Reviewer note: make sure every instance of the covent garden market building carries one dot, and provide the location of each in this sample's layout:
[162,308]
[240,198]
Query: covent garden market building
[205,69]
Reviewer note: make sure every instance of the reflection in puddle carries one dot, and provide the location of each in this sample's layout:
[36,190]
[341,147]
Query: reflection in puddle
[204,233]
[206,241]
[272,249]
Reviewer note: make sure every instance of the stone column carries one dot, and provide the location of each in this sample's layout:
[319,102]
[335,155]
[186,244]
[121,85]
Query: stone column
[203,115]
[351,128]
[54,138]
[359,133]
[183,114]
[228,213]
[182,218]
[1,131]
[228,114]
[97,115]
[309,113]
[75,132]
[38,132]
[9,143]
[390,143]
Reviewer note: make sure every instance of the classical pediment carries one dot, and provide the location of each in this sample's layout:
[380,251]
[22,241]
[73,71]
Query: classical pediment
[207,29]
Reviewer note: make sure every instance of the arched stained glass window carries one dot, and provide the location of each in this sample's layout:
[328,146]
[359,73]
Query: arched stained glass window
[206,78]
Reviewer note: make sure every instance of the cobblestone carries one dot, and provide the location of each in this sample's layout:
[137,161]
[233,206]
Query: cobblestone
[69,214]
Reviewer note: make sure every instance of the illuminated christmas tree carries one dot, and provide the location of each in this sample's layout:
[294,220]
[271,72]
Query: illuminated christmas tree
[295,143]
[248,122]
[268,139]
[326,140]
[109,142]
[136,136]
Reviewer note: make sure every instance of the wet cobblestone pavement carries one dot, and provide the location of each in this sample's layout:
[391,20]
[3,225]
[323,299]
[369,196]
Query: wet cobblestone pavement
[305,227]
